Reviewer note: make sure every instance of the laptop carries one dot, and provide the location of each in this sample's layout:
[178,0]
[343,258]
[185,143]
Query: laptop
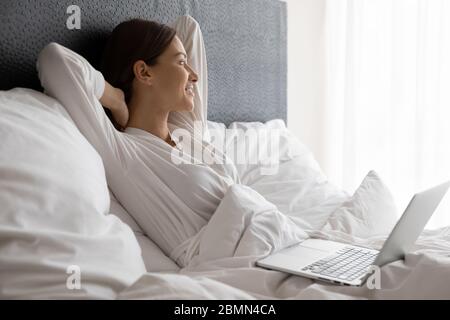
[346,264]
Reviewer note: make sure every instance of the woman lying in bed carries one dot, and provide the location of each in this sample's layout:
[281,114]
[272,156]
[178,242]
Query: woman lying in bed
[156,82]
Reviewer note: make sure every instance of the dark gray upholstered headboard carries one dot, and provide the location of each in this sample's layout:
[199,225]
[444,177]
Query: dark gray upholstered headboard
[245,45]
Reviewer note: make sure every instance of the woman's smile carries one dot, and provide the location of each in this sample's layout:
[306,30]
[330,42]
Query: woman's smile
[190,90]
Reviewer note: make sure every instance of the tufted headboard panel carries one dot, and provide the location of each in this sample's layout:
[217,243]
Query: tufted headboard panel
[245,45]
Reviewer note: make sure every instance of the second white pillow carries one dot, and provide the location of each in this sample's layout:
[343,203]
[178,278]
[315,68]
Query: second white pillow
[371,211]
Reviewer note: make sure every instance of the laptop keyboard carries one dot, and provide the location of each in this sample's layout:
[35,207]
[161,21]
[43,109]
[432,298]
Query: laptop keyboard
[349,263]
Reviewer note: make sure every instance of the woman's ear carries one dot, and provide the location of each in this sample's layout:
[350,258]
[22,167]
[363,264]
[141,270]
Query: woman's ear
[142,72]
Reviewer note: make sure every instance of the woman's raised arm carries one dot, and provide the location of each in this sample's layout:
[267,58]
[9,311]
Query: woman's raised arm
[70,79]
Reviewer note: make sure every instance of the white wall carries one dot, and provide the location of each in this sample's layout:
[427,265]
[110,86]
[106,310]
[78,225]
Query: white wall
[306,82]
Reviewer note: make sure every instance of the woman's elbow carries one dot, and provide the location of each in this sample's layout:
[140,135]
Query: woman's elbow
[50,63]
[49,56]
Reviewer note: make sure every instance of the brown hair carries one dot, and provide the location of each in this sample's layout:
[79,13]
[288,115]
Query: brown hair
[130,41]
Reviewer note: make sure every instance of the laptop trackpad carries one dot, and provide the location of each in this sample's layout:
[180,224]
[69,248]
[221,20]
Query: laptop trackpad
[305,255]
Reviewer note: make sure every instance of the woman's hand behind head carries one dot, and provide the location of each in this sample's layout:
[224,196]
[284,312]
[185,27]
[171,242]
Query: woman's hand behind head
[114,100]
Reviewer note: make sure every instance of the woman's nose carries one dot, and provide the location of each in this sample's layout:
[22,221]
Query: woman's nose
[193,76]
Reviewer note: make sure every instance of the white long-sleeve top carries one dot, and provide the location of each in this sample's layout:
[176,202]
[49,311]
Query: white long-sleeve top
[171,202]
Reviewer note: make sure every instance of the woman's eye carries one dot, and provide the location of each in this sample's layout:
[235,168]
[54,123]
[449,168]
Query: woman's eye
[183,62]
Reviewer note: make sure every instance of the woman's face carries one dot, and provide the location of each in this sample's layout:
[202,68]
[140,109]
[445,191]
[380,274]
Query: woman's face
[173,78]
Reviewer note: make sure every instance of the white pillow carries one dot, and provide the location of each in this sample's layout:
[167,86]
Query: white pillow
[54,208]
[371,211]
[287,175]
[215,133]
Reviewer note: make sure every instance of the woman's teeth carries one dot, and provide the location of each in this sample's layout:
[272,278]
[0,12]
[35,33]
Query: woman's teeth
[190,90]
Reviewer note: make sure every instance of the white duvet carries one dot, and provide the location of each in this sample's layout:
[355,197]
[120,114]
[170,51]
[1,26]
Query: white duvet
[271,212]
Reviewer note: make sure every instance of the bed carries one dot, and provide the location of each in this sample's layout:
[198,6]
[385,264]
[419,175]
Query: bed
[284,198]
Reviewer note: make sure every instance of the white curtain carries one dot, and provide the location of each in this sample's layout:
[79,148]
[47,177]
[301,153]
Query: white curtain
[388,95]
